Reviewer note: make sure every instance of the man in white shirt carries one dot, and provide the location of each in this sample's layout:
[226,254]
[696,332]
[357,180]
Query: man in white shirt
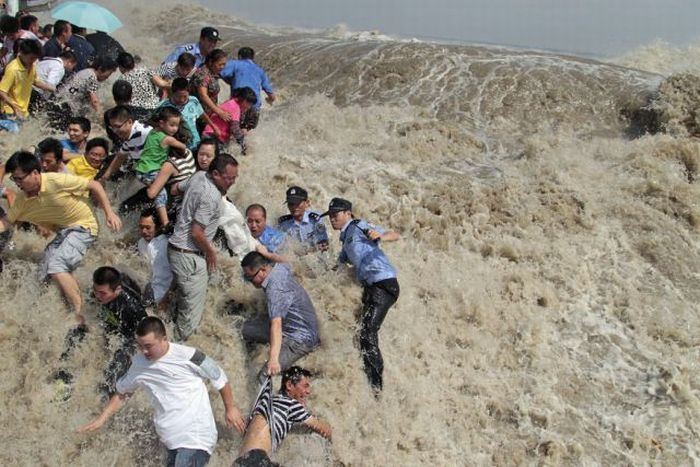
[51,70]
[173,375]
[153,246]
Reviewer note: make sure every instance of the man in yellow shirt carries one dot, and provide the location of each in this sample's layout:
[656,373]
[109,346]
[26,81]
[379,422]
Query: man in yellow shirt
[89,165]
[20,75]
[57,202]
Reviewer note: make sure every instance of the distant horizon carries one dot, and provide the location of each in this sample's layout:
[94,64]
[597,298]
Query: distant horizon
[596,28]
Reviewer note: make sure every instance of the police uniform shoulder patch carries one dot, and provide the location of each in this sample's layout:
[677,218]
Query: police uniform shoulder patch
[284,218]
[314,216]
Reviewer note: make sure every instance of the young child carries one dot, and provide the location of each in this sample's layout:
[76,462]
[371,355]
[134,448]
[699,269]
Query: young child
[241,100]
[189,106]
[179,167]
[167,133]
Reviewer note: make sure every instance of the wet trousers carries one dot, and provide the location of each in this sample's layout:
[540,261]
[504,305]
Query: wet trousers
[376,301]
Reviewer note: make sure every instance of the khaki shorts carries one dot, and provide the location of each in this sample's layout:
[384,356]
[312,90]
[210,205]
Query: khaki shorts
[66,250]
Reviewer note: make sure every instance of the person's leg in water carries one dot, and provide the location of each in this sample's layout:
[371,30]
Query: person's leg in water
[376,301]
[118,366]
[186,457]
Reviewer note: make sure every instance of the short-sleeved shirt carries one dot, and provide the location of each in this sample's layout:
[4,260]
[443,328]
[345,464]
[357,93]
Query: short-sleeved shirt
[192,48]
[204,77]
[246,73]
[17,84]
[51,71]
[175,385]
[310,231]
[60,203]
[271,238]
[191,111]
[230,106]
[168,72]
[77,89]
[153,155]
[79,166]
[370,262]
[144,92]
[70,146]
[286,412]
[137,139]
[201,204]
[288,300]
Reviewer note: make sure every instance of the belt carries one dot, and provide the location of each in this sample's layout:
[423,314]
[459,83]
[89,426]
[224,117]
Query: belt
[184,250]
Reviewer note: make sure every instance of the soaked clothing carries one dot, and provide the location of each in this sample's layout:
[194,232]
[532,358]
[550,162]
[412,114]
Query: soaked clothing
[255,458]
[144,92]
[284,413]
[271,238]
[75,92]
[310,231]
[370,263]
[203,77]
[243,73]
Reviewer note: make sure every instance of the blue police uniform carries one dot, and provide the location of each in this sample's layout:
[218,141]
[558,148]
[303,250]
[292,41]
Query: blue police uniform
[192,48]
[246,73]
[370,262]
[271,238]
[310,231]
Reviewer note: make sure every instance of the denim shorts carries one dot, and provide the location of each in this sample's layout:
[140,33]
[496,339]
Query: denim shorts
[161,200]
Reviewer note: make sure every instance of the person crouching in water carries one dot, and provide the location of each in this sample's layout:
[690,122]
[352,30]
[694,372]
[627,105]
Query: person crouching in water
[120,314]
[360,247]
[268,426]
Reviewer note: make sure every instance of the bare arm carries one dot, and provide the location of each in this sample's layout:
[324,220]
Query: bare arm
[210,105]
[115,165]
[44,86]
[320,427]
[170,142]
[95,102]
[100,195]
[6,99]
[274,257]
[388,236]
[273,362]
[168,170]
[113,406]
[204,245]
[233,415]
[160,82]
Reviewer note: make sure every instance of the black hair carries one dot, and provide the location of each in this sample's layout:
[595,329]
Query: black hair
[9,24]
[246,53]
[30,47]
[214,55]
[183,134]
[83,122]
[97,142]
[47,30]
[222,161]
[107,275]
[245,94]
[207,141]
[23,160]
[152,213]
[126,60]
[68,55]
[186,60]
[151,324]
[59,27]
[26,21]
[120,112]
[254,260]
[179,84]
[52,146]
[293,375]
[104,63]
[257,206]
[78,29]
[122,91]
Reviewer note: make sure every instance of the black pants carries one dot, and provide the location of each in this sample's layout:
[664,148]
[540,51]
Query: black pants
[376,301]
[136,201]
[118,366]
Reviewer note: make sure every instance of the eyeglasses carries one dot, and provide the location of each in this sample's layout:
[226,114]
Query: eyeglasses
[250,278]
[19,180]
[118,126]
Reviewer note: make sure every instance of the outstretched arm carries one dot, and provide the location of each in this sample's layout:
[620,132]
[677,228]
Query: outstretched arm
[320,427]
[388,236]
[233,415]
[113,406]
[273,362]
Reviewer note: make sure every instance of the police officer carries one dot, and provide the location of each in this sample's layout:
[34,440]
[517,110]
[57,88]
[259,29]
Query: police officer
[360,247]
[303,224]
[208,38]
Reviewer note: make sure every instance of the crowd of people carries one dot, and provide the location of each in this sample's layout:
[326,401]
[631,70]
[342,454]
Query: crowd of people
[171,130]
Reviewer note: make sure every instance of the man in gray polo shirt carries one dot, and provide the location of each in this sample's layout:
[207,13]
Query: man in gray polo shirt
[190,250]
[291,327]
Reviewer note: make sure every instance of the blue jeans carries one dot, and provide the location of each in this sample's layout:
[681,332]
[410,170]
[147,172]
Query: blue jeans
[185,457]
[161,200]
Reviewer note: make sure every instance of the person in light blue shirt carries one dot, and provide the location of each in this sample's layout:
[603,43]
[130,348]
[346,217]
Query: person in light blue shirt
[303,224]
[360,247]
[208,38]
[291,325]
[256,218]
[189,106]
[242,73]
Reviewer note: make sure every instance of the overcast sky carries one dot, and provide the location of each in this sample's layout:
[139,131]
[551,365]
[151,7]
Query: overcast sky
[597,27]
